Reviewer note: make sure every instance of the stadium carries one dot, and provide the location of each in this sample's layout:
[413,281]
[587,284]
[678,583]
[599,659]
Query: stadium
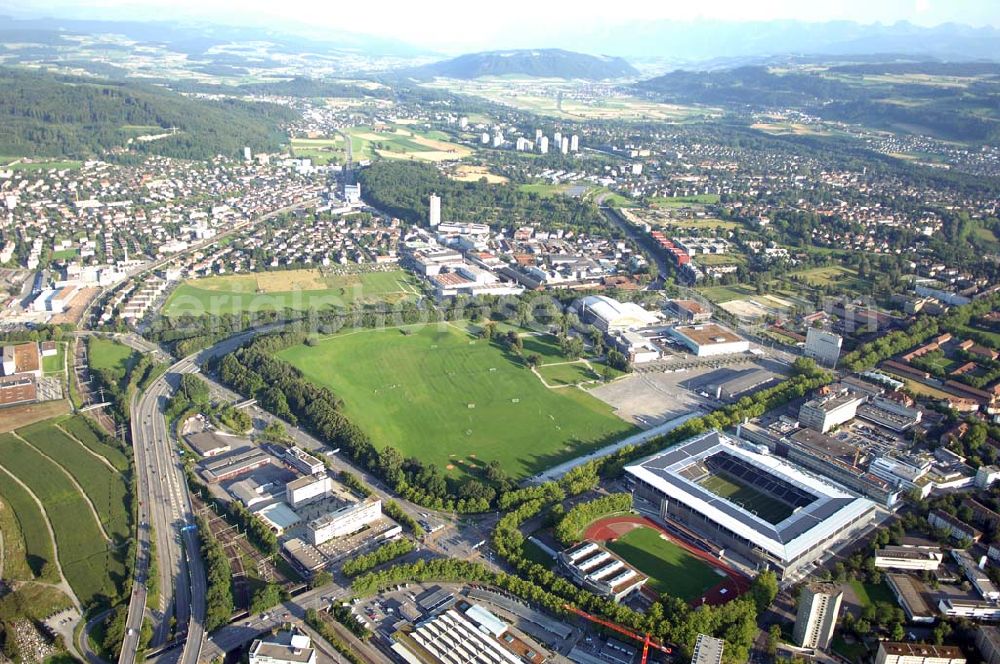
[764,509]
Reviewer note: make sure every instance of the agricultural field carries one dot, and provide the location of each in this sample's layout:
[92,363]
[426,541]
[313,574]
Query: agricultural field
[770,509]
[670,568]
[321,150]
[684,201]
[104,485]
[298,290]
[92,567]
[543,96]
[79,428]
[455,400]
[469,173]
[401,142]
[27,546]
[21,416]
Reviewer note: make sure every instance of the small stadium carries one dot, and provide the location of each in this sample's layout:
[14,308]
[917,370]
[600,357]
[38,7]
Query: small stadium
[673,566]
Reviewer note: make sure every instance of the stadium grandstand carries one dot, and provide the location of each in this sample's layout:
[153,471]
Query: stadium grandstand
[764,509]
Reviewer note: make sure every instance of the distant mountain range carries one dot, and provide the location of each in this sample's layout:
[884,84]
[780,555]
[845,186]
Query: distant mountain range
[542,62]
[706,40]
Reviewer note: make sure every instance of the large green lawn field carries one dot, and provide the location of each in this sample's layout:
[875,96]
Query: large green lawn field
[105,487]
[669,567]
[567,373]
[108,354]
[770,509]
[452,399]
[298,290]
[93,570]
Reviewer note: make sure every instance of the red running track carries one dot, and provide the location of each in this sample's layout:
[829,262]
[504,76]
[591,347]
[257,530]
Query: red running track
[734,584]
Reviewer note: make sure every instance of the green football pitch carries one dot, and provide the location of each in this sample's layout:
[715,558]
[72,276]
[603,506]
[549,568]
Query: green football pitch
[670,568]
[770,509]
[451,399]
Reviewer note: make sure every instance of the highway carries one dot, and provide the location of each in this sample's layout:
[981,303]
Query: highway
[166,506]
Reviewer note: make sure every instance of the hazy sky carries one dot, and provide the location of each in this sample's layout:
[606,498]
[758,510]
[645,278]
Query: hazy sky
[452,24]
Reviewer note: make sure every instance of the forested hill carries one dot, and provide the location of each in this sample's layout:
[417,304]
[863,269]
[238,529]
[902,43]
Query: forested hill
[544,62]
[913,101]
[403,190]
[47,116]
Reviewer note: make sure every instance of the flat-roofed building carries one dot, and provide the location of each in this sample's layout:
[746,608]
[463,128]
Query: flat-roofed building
[710,339]
[707,650]
[233,465]
[823,346]
[283,648]
[909,557]
[689,311]
[18,389]
[208,443]
[816,617]
[973,609]
[917,653]
[307,558]
[988,643]
[830,409]
[909,593]
[27,359]
[279,517]
[976,576]
[344,521]
[956,529]
[302,461]
[308,488]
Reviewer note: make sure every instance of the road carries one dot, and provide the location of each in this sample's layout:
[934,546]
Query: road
[165,505]
[635,439]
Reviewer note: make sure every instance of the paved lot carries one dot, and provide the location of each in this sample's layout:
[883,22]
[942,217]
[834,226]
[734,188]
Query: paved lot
[649,399]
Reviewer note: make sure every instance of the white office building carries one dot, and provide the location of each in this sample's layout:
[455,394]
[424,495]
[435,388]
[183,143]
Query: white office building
[434,211]
[345,521]
[909,557]
[819,605]
[823,346]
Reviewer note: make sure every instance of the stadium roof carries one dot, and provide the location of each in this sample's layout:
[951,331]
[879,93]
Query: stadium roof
[833,508]
[615,313]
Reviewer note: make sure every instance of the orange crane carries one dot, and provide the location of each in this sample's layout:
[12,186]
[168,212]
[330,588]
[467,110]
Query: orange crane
[647,641]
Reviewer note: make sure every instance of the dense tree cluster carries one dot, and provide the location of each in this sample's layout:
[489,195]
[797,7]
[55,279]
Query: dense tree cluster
[331,637]
[403,190]
[219,605]
[383,554]
[570,528]
[48,115]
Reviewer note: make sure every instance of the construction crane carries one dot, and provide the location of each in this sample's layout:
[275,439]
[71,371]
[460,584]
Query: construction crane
[647,641]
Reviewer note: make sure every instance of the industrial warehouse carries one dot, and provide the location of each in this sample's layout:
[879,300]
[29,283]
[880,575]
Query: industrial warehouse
[760,507]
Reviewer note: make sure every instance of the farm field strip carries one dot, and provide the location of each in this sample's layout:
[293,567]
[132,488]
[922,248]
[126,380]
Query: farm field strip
[105,488]
[28,548]
[78,428]
[298,290]
[84,554]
